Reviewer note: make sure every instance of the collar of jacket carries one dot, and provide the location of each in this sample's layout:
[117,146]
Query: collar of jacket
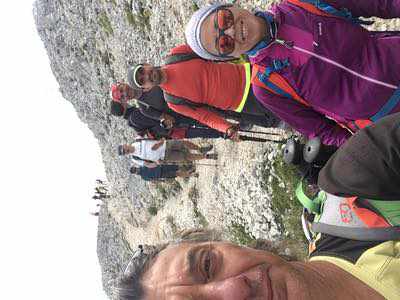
[273,29]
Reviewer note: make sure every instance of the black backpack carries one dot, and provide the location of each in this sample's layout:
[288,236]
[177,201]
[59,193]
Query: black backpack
[140,123]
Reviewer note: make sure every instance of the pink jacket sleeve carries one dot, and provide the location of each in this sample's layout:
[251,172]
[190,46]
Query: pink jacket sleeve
[302,118]
[385,9]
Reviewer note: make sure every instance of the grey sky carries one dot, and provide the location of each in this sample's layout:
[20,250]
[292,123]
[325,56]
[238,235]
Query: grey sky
[49,164]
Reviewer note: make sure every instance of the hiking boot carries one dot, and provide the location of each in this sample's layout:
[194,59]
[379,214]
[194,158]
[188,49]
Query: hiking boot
[212,156]
[204,150]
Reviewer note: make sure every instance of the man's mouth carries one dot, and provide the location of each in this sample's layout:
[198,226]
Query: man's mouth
[243,32]
[260,283]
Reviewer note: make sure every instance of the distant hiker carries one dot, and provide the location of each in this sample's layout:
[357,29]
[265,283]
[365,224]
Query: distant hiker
[99,181]
[151,153]
[163,172]
[314,66]
[171,126]
[100,190]
[96,197]
[104,196]
[200,89]
[151,103]
[96,214]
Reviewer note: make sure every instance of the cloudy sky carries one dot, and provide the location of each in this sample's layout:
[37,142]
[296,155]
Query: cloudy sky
[49,162]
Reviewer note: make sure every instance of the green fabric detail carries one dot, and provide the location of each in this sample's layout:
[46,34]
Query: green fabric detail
[313,205]
[390,210]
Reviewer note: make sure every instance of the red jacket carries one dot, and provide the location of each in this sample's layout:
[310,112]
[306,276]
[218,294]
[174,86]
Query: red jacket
[220,85]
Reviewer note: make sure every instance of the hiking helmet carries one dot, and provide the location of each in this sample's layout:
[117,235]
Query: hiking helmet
[192,31]
[132,72]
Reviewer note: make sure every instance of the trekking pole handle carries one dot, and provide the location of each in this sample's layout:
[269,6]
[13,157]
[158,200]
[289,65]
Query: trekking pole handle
[208,165]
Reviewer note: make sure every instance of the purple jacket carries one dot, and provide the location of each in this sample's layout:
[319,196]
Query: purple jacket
[344,71]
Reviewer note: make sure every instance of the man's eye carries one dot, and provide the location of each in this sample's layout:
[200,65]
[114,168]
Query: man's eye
[207,265]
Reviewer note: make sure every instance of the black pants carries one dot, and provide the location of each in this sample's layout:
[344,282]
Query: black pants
[207,133]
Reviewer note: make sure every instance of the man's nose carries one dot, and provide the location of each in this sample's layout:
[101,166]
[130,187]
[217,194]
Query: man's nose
[234,288]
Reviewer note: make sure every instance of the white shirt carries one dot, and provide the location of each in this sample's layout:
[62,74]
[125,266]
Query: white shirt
[144,151]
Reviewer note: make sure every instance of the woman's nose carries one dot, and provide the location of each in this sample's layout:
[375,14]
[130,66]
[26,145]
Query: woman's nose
[230,31]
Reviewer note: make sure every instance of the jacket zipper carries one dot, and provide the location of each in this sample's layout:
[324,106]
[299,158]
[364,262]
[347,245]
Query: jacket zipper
[329,61]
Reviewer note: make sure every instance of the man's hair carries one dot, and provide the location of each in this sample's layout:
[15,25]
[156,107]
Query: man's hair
[117,109]
[129,285]
[134,170]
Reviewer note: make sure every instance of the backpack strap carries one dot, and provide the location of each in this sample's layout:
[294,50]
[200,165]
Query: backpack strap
[141,159]
[180,57]
[181,101]
[321,8]
[268,78]
[389,209]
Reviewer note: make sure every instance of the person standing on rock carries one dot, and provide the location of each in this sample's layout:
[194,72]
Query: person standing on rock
[314,66]
[163,172]
[201,89]
[151,153]
[155,121]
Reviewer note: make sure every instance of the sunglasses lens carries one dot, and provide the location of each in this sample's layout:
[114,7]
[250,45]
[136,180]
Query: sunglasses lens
[226,44]
[224,19]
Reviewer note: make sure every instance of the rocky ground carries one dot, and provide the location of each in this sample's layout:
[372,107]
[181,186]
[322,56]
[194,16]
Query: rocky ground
[90,44]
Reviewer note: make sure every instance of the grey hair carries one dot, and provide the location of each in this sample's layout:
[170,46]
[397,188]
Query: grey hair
[129,285]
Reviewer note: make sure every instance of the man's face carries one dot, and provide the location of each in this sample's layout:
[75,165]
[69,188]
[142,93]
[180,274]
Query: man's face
[127,93]
[220,271]
[128,149]
[149,76]
[239,31]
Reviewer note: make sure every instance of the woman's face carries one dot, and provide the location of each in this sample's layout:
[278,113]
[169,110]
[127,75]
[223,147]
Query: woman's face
[245,32]
[219,271]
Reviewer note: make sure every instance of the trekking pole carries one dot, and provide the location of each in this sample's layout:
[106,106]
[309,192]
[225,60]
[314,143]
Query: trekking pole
[208,165]
[256,139]
[260,132]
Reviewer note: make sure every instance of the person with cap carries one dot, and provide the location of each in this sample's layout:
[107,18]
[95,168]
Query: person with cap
[151,103]
[314,66]
[198,265]
[150,153]
[201,89]
[163,172]
[155,121]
